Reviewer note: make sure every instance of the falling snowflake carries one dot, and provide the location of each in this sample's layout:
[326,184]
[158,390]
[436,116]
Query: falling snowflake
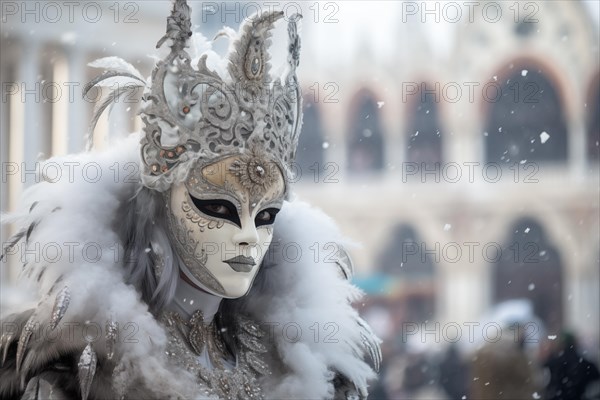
[535,395]
[544,137]
[552,337]
[531,287]
[447,227]
[380,104]
[325,145]
[524,72]
[527,230]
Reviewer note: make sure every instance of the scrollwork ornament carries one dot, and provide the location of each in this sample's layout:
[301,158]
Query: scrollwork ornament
[189,249]
[189,109]
[189,339]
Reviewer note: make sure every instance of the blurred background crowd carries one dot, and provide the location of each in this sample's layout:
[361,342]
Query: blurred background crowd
[457,142]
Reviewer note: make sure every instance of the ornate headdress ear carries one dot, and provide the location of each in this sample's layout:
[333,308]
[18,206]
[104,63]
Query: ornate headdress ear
[249,62]
[194,113]
[179,26]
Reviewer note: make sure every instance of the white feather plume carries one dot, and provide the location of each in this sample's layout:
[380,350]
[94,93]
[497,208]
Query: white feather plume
[116,64]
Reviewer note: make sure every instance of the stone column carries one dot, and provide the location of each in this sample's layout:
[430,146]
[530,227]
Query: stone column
[28,77]
[77,114]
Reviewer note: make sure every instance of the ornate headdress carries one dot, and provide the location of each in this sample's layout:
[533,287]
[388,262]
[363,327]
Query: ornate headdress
[192,113]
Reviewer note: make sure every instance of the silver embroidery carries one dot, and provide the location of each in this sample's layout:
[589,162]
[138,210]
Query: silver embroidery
[111,338]
[30,326]
[63,298]
[188,339]
[87,370]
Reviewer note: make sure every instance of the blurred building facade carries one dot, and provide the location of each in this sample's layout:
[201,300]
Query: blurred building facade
[468,173]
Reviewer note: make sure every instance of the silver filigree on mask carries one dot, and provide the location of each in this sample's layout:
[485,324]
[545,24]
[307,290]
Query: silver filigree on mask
[189,249]
[255,172]
[188,339]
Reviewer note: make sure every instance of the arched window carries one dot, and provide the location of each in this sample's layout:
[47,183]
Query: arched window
[424,142]
[365,152]
[309,155]
[404,257]
[526,120]
[593,128]
[529,267]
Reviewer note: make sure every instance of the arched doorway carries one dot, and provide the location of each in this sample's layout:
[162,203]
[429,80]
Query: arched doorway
[365,147]
[405,258]
[526,119]
[530,268]
[424,138]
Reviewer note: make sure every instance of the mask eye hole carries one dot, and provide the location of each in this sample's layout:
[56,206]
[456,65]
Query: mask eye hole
[218,208]
[266,216]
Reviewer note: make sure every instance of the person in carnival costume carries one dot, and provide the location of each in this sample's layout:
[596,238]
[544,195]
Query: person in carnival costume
[194,293]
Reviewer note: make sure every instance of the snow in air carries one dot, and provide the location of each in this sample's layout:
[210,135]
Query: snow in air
[544,137]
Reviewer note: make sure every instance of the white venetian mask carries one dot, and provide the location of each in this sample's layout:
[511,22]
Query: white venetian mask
[221,221]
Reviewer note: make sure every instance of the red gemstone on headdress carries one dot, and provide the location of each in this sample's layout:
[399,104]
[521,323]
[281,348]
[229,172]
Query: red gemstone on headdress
[186,109]
[170,154]
[180,149]
[164,168]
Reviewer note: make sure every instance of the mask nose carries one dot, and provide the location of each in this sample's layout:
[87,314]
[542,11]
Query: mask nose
[248,235]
